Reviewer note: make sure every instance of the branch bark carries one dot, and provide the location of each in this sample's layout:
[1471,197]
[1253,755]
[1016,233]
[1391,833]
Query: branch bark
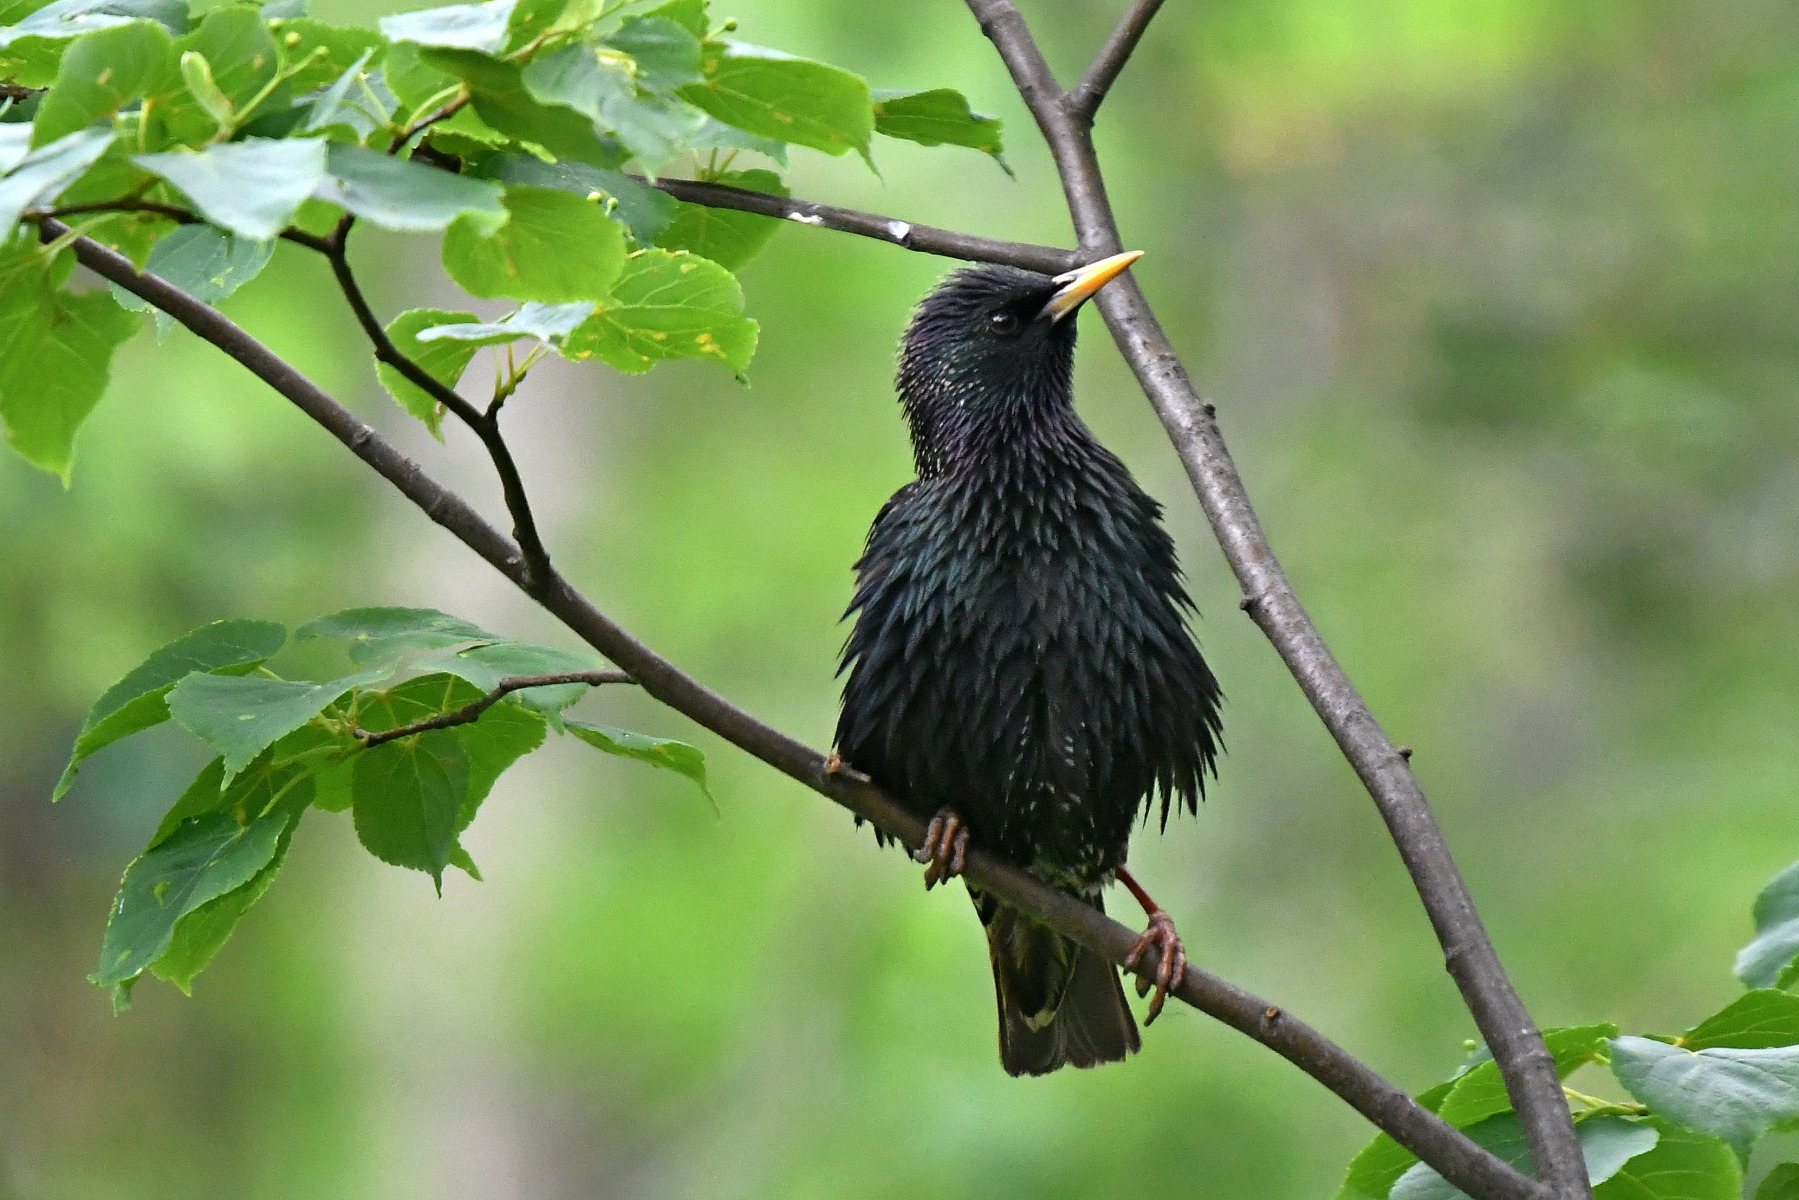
[485,426]
[471,712]
[926,239]
[1065,120]
[1086,96]
[1457,1158]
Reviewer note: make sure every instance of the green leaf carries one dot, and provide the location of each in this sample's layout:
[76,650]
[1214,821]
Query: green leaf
[1479,1092]
[555,247]
[1782,1183]
[1760,963]
[333,106]
[666,52]
[414,700]
[286,172]
[413,81]
[505,733]
[1736,1095]
[727,237]
[328,51]
[645,210]
[530,18]
[1607,1143]
[203,933]
[196,73]
[658,752]
[668,305]
[30,61]
[548,323]
[100,74]
[653,129]
[15,144]
[1683,1166]
[938,117]
[1756,1020]
[41,176]
[444,361]
[72,18]
[688,14]
[206,857]
[136,702]
[1374,1171]
[376,633]
[485,666]
[715,134]
[503,102]
[209,264]
[409,795]
[399,194]
[235,45]
[482,27]
[789,99]
[241,716]
[55,349]
[282,776]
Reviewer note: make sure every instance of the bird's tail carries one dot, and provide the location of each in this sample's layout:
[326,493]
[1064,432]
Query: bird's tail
[1058,1004]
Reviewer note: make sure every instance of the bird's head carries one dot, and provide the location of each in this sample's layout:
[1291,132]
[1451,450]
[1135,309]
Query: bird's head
[992,346]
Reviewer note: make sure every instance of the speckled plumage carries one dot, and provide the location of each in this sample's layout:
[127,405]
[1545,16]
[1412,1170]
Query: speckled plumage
[1020,651]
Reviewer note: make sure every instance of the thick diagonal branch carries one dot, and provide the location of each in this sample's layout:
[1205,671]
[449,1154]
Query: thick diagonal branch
[1459,1160]
[1528,1069]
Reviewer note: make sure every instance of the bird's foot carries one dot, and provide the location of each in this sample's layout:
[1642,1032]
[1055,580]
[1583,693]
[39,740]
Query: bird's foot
[945,848]
[1169,970]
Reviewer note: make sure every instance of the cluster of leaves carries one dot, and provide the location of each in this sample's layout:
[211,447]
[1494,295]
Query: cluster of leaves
[285,746]
[509,127]
[1701,1099]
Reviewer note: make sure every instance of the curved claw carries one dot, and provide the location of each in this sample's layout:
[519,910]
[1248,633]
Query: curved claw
[945,848]
[1169,971]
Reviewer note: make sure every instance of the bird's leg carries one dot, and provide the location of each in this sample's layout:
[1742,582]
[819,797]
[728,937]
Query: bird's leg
[945,848]
[1161,935]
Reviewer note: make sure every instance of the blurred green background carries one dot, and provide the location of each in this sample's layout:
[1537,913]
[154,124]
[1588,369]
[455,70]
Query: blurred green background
[1499,301]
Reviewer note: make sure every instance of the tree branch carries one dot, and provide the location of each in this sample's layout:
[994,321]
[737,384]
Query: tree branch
[1524,1061]
[486,426]
[172,212]
[471,712]
[1087,95]
[925,239]
[1450,1151]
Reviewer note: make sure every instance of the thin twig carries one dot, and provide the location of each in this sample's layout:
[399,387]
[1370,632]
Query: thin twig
[1086,96]
[1524,1061]
[1450,1151]
[413,130]
[171,211]
[471,712]
[926,239]
[485,426]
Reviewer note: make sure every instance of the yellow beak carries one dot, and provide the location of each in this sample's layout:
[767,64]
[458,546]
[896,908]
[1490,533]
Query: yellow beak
[1079,284]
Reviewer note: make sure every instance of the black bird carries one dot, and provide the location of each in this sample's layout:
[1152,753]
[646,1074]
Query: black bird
[1020,670]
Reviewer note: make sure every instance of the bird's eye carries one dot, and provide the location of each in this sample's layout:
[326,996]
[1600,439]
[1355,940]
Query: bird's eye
[1003,322]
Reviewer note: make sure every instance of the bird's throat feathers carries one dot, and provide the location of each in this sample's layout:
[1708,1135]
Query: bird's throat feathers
[983,376]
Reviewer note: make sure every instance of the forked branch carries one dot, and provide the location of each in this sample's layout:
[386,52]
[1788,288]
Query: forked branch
[1524,1061]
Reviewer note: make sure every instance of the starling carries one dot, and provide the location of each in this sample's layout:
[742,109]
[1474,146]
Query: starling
[1020,672]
